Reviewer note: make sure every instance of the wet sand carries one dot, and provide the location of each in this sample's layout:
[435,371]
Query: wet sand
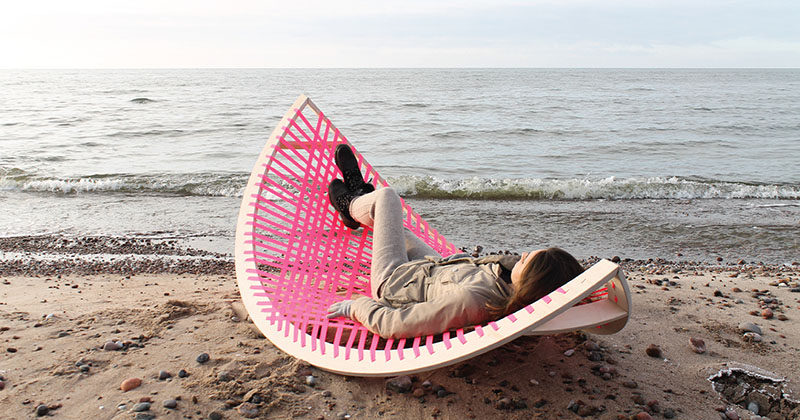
[69,339]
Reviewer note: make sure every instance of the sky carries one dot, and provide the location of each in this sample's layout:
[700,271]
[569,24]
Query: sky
[410,33]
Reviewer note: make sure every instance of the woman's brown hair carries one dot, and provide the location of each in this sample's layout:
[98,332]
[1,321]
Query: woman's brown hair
[548,270]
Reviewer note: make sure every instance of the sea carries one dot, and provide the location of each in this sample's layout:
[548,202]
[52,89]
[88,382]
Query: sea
[681,164]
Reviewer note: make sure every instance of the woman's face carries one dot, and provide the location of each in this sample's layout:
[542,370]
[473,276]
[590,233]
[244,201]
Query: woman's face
[519,267]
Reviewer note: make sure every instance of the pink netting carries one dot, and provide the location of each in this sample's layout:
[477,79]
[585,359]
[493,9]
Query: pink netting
[306,258]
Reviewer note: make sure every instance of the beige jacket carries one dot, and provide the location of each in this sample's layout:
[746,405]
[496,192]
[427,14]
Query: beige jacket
[432,296]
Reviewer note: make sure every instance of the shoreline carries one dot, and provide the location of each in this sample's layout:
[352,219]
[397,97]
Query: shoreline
[60,321]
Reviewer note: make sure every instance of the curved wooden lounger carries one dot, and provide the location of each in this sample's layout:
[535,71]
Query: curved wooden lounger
[294,258]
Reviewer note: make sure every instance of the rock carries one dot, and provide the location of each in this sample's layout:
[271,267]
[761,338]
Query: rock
[226,376]
[630,384]
[698,345]
[170,403]
[753,407]
[782,317]
[503,403]
[42,410]
[2,385]
[595,356]
[142,406]
[401,384]
[751,337]
[767,313]
[749,327]
[653,350]
[668,413]
[163,375]
[248,410]
[642,416]
[112,345]
[419,393]
[129,384]
[342,415]
[144,416]
[182,373]
[731,415]
[327,394]
[311,381]
[202,358]
[214,415]
[569,352]
[591,345]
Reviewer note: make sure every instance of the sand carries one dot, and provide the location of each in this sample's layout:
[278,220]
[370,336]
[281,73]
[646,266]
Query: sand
[53,330]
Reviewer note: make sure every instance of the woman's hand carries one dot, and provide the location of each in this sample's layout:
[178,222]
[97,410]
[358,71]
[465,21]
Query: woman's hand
[341,308]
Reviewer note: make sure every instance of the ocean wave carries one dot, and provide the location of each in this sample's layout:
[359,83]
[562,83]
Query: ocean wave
[474,188]
[610,188]
[196,184]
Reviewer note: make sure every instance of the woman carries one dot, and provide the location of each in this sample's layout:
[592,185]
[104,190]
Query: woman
[417,292]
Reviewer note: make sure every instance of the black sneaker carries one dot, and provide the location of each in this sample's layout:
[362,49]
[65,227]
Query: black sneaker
[340,197]
[348,164]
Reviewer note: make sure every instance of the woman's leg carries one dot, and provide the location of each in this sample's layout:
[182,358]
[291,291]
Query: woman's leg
[417,249]
[382,210]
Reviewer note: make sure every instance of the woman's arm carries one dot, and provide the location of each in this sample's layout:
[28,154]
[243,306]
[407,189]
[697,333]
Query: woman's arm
[456,310]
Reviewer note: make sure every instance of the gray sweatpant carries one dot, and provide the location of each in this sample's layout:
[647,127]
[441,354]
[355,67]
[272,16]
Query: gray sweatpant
[392,244]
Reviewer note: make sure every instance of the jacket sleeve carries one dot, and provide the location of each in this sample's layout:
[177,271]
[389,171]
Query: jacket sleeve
[455,310]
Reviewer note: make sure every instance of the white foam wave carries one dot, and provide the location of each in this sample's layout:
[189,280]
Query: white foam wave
[232,185]
[585,189]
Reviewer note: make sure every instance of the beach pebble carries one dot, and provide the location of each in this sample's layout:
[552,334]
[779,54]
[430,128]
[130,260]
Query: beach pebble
[419,393]
[653,350]
[170,403]
[401,384]
[668,413]
[630,384]
[248,410]
[698,345]
[749,327]
[505,403]
[569,352]
[129,384]
[753,407]
[342,415]
[162,375]
[642,416]
[42,410]
[782,317]
[311,381]
[731,415]
[591,345]
[182,373]
[142,406]
[112,345]
[202,358]
[144,416]
[752,337]
[226,376]
[2,385]
[767,313]
[215,415]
